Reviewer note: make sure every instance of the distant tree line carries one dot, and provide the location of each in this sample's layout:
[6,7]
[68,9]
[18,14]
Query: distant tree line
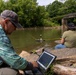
[33,15]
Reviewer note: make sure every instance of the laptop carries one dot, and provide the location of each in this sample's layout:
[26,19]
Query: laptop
[45,60]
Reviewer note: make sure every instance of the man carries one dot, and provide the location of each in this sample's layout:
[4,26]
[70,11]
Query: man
[10,62]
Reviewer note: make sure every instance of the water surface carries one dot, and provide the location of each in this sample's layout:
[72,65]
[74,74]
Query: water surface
[28,39]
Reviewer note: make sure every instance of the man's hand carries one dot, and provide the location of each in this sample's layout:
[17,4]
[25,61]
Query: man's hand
[35,64]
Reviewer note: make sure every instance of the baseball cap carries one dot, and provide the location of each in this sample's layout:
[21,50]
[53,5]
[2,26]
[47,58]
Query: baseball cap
[71,25]
[12,16]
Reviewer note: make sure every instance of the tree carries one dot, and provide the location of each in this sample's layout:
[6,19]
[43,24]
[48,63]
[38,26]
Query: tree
[40,16]
[54,8]
[68,7]
[24,8]
[2,5]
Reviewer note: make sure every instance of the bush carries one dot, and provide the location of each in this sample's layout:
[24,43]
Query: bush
[49,23]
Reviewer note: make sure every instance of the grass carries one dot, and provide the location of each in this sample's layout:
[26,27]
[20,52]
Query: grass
[50,71]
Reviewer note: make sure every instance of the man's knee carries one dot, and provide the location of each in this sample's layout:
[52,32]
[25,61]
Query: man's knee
[8,71]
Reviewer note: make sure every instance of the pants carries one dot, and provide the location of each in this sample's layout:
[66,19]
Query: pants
[60,46]
[8,71]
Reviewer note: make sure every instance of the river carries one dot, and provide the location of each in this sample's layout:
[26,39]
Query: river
[29,39]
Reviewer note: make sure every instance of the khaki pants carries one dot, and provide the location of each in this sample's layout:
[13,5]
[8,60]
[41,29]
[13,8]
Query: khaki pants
[8,71]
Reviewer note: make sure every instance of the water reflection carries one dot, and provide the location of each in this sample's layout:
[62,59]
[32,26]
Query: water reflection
[30,39]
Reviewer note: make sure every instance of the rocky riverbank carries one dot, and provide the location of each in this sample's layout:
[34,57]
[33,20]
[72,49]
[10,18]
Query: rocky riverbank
[65,61]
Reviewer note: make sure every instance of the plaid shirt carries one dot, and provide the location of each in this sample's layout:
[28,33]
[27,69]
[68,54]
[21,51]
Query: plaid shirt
[8,54]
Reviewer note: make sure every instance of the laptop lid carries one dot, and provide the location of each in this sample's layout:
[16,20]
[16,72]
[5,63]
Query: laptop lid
[45,60]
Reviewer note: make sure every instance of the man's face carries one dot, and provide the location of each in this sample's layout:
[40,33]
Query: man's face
[9,28]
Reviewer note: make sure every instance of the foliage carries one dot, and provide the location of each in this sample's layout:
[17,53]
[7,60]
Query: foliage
[50,23]
[54,8]
[68,7]
[2,5]
[30,15]
[33,15]
[74,21]
[50,71]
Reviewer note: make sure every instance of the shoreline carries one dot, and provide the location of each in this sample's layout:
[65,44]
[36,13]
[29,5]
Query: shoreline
[56,27]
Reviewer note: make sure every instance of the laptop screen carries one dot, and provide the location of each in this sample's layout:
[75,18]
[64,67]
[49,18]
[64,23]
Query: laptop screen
[46,59]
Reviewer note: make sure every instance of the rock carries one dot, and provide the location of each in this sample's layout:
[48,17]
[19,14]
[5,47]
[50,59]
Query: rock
[65,62]
[29,57]
[62,70]
[58,41]
[64,53]
[24,54]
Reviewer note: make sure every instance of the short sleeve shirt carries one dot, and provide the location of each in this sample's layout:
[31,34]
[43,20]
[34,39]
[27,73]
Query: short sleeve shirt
[70,38]
[8,54]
